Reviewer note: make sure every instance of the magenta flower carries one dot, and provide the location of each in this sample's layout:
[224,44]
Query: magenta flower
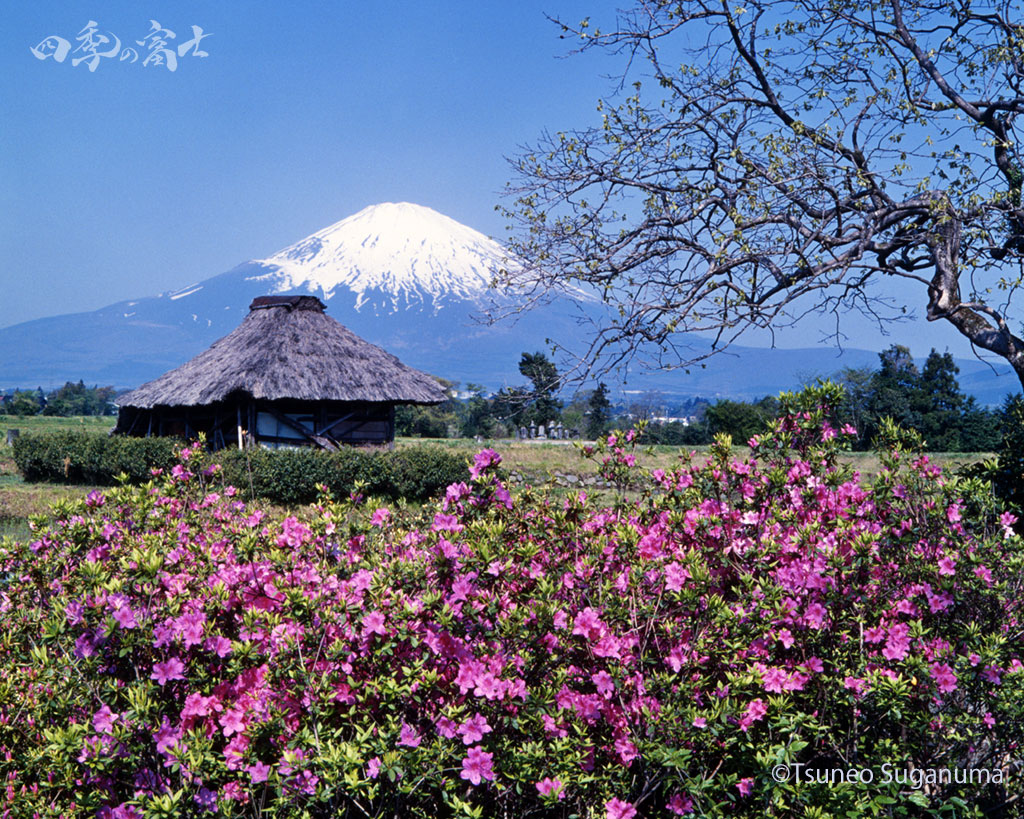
[447,728]
[233,721]
[745,786]
[551,787]
[484,459]
[856,685]
[992,675]
[774,680]
[676,576]
[258,772]
[947,566]
[373,623]
[617,809]
[473,730]
[126,617]
[814,615]
[680,805]
[944,677]
[476,766]
[755,711]
[103,720]
[219,645]
[409,736]
[170,670]
[373,768]
[897,645]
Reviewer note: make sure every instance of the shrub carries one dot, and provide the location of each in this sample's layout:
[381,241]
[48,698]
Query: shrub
[167,650]
[285,476]
[90,458]
[293,476]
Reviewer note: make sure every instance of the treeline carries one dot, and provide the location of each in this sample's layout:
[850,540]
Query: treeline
[71,399]
[927,399]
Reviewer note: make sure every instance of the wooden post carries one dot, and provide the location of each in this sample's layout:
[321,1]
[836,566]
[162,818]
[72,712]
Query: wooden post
[11,435]
[238,412]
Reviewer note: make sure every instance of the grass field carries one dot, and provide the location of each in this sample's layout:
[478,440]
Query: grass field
[535,462]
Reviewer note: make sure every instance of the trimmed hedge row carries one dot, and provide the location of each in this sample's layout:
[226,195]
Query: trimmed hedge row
[91,458]
[290,476]
[282,476]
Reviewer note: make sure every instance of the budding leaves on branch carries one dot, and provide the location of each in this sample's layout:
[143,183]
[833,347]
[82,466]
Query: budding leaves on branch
[788,154]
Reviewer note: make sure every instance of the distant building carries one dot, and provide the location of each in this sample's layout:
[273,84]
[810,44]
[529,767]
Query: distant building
[289,375]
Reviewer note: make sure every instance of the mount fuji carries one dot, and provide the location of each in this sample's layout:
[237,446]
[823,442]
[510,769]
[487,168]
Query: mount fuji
[414,282]
[402,276]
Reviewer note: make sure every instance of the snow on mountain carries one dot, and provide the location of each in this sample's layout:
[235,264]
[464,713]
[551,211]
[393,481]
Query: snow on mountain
[391,256]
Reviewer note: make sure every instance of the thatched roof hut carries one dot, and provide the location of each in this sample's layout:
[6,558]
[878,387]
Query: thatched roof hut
[289,374]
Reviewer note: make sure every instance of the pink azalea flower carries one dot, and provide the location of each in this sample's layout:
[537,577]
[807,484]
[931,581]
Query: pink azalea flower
[409,737]
[991,674]
[551,787]
[258,772]
[989,720]
[680,805]
[856,685]
[944,677]
[785,637]
[447,728]
[233,721]
[103,720]
[814,615]
[875,634]
[219,645]
[373,767]
[170,670]
[477,765]
[473,730]
[373,623]
[605,685]
[617,809]
[774,680]
[984,574]
[676,576]
[897,644]
[755,711]
[700,722]
[745,786]
[947,566]
[125,617]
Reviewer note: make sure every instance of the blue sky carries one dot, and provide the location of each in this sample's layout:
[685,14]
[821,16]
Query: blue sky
[131,180]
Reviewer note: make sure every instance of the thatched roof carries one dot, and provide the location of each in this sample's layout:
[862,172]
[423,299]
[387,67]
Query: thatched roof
[287,347]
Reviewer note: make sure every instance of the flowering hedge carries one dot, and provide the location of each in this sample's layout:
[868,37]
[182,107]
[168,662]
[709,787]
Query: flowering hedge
[168,651]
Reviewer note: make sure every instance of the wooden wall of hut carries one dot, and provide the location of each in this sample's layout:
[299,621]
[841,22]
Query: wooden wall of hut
[247,422]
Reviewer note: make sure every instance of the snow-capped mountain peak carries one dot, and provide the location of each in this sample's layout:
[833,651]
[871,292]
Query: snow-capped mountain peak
[390,255]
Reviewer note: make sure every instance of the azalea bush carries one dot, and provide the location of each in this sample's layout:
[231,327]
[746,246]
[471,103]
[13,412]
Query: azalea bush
[166,650]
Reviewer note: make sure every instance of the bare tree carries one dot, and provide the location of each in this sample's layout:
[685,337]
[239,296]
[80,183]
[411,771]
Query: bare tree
[770,158]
